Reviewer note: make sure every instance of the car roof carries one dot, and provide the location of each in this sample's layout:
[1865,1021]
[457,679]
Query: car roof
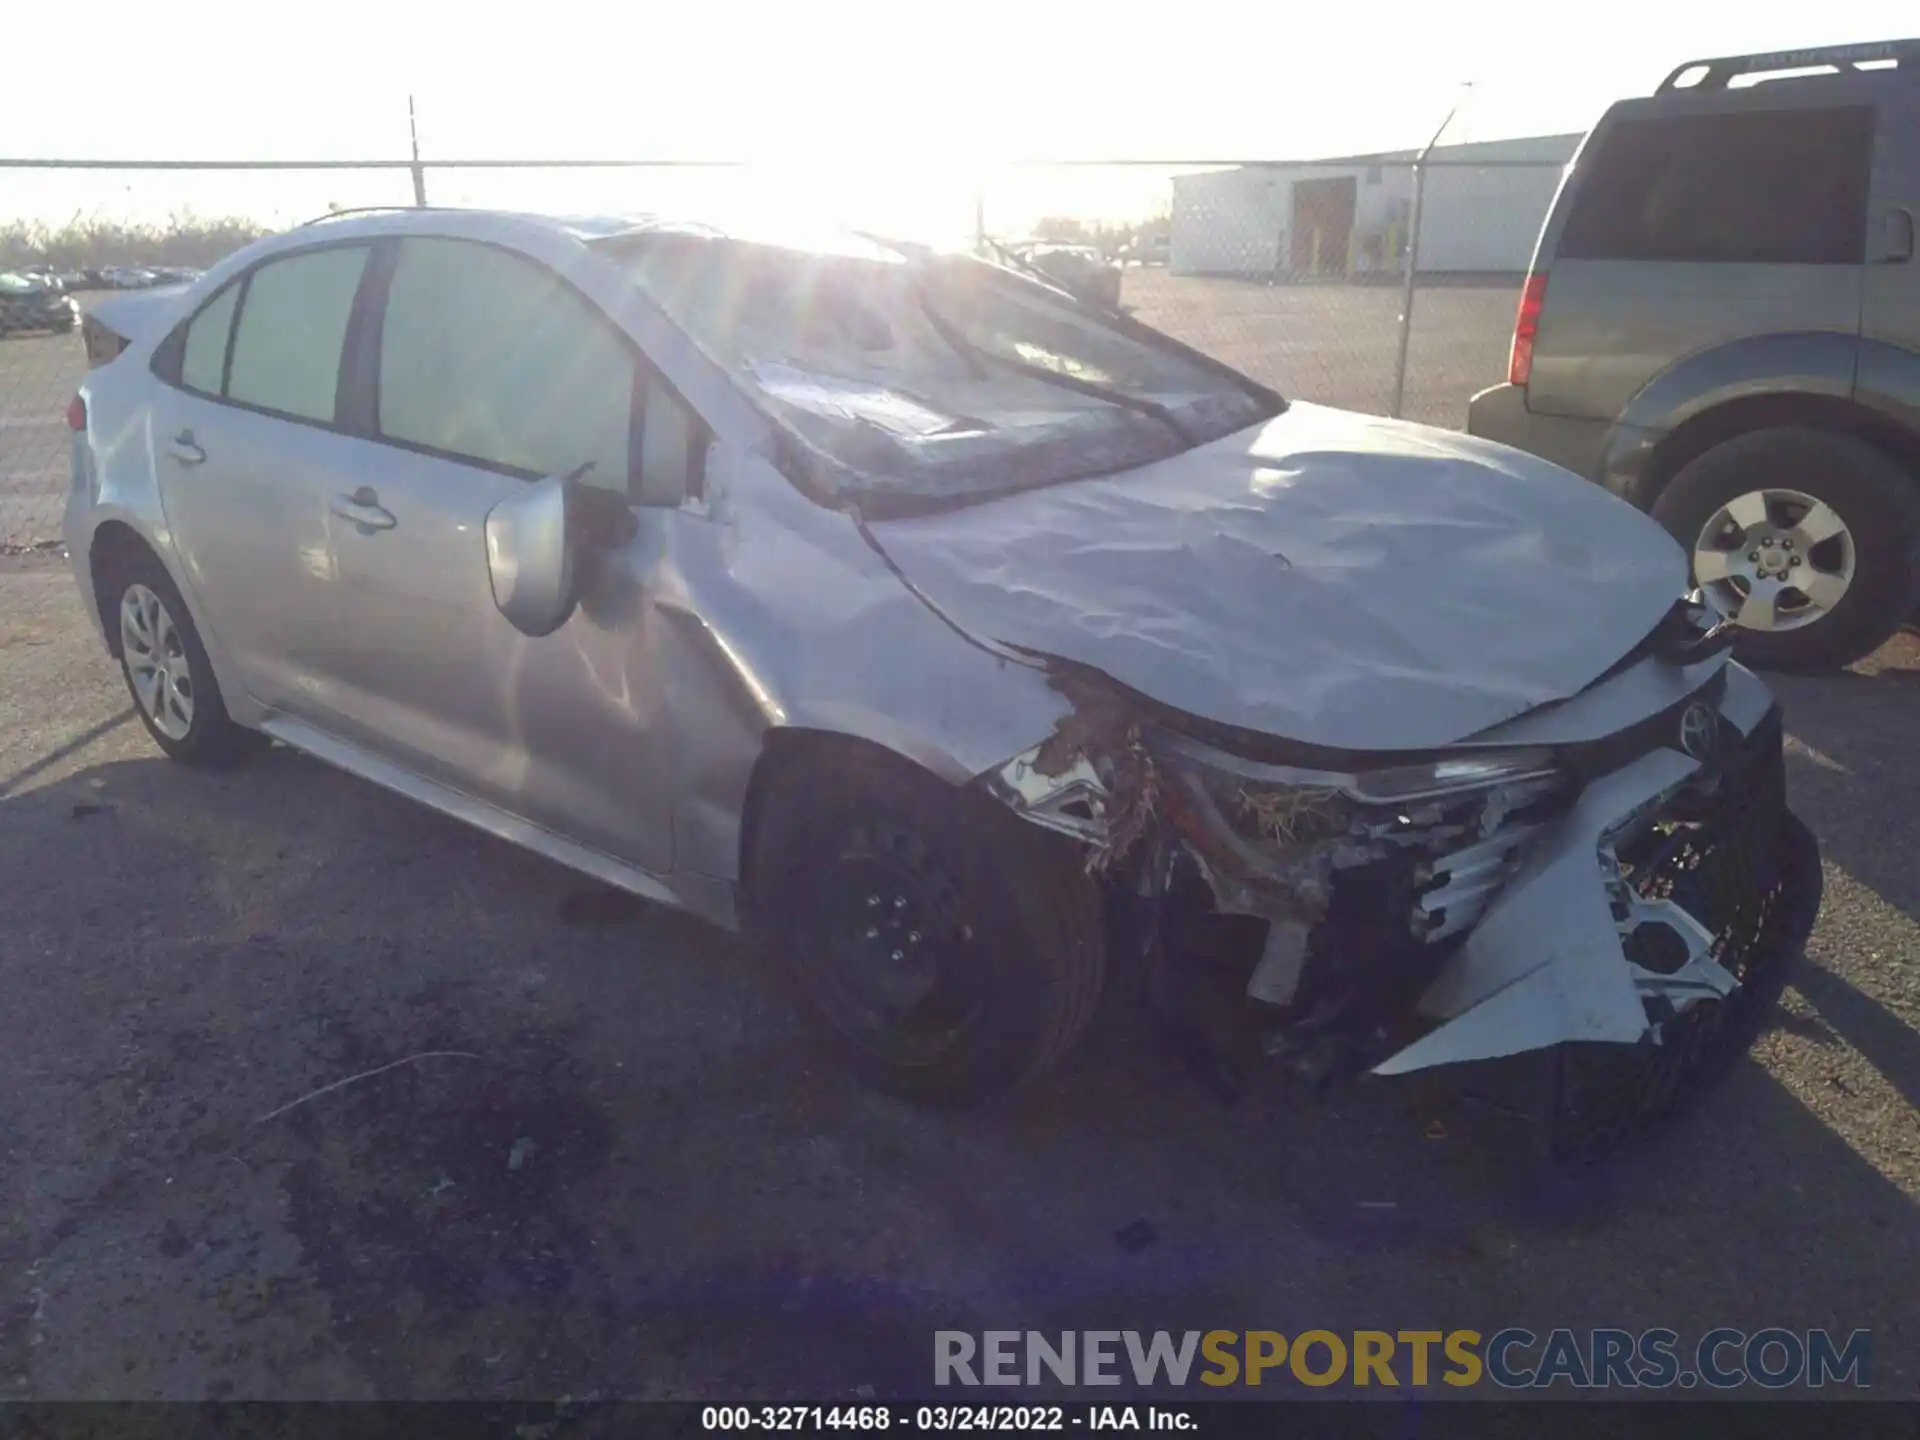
[786,233]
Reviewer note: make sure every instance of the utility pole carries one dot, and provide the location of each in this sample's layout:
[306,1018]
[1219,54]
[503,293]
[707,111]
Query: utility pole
[1413,258]
[419,170]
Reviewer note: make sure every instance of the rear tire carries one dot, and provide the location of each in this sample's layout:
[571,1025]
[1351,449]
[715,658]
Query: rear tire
[1876,500]
[945,950]
[166,668]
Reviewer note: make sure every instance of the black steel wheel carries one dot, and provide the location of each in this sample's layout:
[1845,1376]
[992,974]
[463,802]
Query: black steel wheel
[944,949]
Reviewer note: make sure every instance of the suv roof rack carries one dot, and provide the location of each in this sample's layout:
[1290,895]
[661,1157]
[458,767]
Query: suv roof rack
[1717,74]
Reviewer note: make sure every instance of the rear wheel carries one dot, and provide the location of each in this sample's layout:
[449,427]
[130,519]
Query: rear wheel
[1807,539]
[944,949]
[166,667]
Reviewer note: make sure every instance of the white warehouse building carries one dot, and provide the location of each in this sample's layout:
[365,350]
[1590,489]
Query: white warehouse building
[1348,217]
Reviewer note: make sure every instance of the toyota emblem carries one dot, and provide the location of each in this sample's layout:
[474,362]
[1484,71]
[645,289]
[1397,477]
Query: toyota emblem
[1699,732]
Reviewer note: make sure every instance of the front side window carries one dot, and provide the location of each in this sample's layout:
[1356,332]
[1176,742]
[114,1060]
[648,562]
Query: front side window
[1747,187]
[289,333]
[487,357]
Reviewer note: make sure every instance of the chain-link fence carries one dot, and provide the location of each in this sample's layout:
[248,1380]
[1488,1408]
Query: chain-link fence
[1378,283]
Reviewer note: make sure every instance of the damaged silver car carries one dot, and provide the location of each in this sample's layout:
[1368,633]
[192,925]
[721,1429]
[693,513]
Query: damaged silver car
[971,646]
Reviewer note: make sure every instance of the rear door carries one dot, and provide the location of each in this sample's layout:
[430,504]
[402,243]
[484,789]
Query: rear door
[1701,220]
[251,446]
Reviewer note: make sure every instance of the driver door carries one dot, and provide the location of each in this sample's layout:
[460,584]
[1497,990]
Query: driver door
[492,372]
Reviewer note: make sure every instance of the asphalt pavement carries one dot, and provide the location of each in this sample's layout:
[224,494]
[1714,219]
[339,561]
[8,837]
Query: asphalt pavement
[603,1159]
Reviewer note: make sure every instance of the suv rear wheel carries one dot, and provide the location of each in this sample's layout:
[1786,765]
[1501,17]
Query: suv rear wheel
[1806,539]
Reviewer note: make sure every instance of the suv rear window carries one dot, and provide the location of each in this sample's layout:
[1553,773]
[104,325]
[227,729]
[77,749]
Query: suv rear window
[1755,187]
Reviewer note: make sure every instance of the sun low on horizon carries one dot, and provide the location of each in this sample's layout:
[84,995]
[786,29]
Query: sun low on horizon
[912,119]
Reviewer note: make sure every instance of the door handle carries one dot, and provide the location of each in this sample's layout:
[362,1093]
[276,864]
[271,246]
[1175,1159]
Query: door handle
[363,508]
[183,449]
[1899,231]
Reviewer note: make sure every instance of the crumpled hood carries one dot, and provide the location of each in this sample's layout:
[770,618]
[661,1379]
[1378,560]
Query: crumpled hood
[1329,578]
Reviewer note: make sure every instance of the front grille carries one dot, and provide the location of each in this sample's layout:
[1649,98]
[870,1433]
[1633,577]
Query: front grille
[1595,758]
[1738,863]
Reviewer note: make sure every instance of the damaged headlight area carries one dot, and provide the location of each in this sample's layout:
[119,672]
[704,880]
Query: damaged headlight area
[1364,877]
[1359,871]
[1278,836]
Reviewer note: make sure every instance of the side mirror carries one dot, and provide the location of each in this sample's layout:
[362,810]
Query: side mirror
[530,556]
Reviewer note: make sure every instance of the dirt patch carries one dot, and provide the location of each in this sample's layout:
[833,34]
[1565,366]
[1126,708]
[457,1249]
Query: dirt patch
[444,1190]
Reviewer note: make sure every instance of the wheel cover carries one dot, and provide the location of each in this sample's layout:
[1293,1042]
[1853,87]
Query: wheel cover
[1774,560]
[895,969]
[156,661]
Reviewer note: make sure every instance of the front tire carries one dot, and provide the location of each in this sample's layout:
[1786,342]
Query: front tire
[945,950]
[166,668]
[1808,539]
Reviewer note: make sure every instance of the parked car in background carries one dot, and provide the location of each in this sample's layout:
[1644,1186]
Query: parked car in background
[1722,325]
[28,304]
[1149,250]
[1082,269]
[958,638]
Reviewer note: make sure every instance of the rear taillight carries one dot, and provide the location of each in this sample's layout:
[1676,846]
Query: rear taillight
[1526,324]
[76,413]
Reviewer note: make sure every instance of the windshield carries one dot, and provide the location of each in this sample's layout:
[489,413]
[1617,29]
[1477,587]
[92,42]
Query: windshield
[937,378]
[15,283]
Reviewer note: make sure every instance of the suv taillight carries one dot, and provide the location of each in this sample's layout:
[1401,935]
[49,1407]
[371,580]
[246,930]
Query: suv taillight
[1526,324]
[76,414]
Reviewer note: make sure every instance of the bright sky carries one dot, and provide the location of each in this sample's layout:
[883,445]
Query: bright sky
[859,107]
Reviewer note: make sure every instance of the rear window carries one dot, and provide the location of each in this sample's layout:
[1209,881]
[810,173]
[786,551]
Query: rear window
[1756,187]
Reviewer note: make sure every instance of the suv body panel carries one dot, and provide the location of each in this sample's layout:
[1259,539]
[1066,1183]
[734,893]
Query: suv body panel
[1889,368]
[1610,327]
[1641,346]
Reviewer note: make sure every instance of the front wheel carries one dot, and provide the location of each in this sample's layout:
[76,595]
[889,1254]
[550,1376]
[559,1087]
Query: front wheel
[1809,540]
[944,949]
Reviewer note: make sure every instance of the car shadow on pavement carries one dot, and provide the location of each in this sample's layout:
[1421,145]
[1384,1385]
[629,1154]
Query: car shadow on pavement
[1853,775]
[608,1162]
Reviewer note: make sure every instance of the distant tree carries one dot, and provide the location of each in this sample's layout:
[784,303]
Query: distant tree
[1061,229]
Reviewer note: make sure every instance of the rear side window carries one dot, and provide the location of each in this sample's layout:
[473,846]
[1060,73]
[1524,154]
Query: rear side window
[203,359]
[485,356]
[292,324]
[1756,187]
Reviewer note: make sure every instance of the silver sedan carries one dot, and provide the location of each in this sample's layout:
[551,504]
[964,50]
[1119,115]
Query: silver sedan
[966,643]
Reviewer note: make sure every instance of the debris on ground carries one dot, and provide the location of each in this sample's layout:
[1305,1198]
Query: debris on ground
[524,1149]
[366,1075]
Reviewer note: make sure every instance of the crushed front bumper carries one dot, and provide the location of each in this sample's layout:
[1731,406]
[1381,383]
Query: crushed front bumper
[1613,921]
[1548,963]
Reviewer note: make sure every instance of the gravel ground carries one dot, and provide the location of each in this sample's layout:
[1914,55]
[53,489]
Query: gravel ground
[631,1176]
